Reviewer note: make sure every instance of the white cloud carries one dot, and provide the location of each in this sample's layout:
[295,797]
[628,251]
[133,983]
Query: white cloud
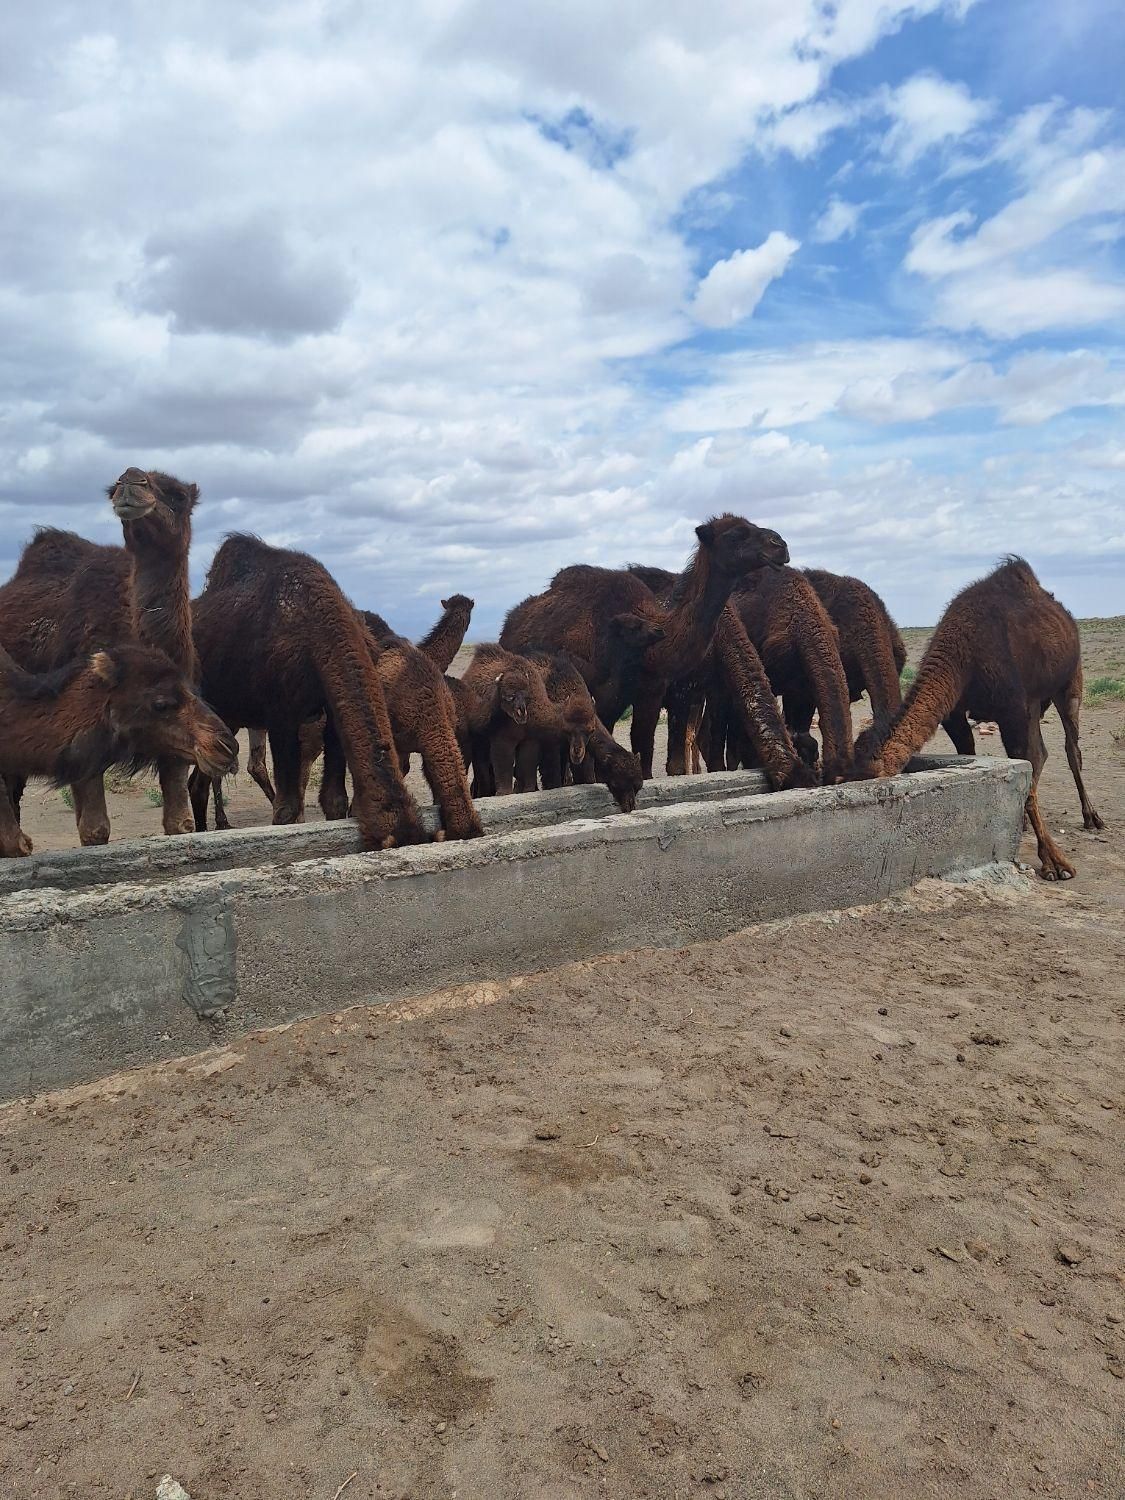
[1008,304]
[839,221]
[732,288]
[928,111]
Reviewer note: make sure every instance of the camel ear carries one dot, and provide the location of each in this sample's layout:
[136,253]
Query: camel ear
[105,669]
[706,533]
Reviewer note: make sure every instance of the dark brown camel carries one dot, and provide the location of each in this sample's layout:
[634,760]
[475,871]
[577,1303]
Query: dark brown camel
[574,615]
[530,713]
[533,754]
[126,706]
[799,648]
[278,645]
[67,599]
[735,668]
[424,722]
[1004,650]
[155,512]
[447,637]
[871,647]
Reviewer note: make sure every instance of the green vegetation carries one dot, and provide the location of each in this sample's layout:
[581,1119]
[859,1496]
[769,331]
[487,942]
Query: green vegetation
[67,796]
[1105,690]
[908,676]
[154,795]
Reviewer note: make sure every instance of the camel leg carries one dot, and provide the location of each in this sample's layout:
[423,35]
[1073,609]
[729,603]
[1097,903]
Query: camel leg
[177,812]
[222,822]
[285,751]
[1023,740]
[256,763]
[798,712]
[199,790]
[444,771]
[960,731]
[14,843]
[527,767]
[333,787]
[90,811]
[1069,703]
[676,762]
[642,731]
[502,758]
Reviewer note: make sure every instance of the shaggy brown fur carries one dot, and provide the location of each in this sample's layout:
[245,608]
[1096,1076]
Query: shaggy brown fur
[550,757]
[799,648]
[424,722]
[279,644]
[448,635]
[155,512]
[521,709]
[68,598]
[123,707]
[1004,650]
[732,681]
[871,647]
[574,615]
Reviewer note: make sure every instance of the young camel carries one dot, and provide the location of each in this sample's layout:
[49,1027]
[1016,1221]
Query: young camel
[447,637]
[155,512]
[573,616]
[493,750]
[1004,650]
[125,706]
[67,599]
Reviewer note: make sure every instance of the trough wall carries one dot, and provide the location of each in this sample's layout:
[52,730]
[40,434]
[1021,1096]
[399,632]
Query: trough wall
[99,976]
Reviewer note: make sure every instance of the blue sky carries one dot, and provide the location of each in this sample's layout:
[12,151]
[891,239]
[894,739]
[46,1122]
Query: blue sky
[453,294]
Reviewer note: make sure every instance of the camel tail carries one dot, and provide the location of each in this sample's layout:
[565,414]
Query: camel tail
[382,806]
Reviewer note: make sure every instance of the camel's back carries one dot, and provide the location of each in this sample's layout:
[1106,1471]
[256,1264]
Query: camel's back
[68,596]
[1012,631]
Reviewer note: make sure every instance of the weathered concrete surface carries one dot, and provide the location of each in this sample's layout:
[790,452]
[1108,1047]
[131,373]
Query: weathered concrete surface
[160,858]
[107,976]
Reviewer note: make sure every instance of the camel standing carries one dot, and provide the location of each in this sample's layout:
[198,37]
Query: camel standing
[155,512]
[1004,650]
[573,616]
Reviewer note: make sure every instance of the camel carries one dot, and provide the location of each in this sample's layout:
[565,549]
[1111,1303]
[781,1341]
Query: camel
[799,648]
[871,647]
[533,754]
[573,615]
[444,641]
[734,669]
[67,599]
[1004,650]
[279,644]
[492,749]
[423,721]
[155,512]
[125,706]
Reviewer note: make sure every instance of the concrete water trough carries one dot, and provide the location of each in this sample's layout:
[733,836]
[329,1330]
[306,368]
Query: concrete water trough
[155,948]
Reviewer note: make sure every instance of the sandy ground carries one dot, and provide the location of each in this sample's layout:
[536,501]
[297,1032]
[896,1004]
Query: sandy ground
[832,1208]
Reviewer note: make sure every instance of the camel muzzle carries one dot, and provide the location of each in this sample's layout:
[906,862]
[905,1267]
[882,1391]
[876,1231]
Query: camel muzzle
[132,497]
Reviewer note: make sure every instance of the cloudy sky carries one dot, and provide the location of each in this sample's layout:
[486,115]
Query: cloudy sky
[453,292]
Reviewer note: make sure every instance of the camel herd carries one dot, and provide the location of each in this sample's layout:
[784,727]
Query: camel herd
[106,661]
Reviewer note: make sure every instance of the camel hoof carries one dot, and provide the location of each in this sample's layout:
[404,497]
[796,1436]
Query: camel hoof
[90,838]
[1094,822]
[1057,870]
[181,825]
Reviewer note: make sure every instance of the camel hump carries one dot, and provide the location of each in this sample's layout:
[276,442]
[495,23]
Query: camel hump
[1016,573]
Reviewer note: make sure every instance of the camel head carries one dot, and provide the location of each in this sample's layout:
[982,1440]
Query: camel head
[867,755]
[153,710]
[737,546]
[140,492]
[635,633]
[514,691]
[459,601]
[622,774]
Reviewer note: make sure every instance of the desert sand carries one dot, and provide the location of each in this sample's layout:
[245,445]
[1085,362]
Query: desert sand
[832,1208]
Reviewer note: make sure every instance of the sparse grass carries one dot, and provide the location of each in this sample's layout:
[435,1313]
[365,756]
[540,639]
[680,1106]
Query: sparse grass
[117,781]
[154,795]
[1105,690]
[67,797]
[908,676]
